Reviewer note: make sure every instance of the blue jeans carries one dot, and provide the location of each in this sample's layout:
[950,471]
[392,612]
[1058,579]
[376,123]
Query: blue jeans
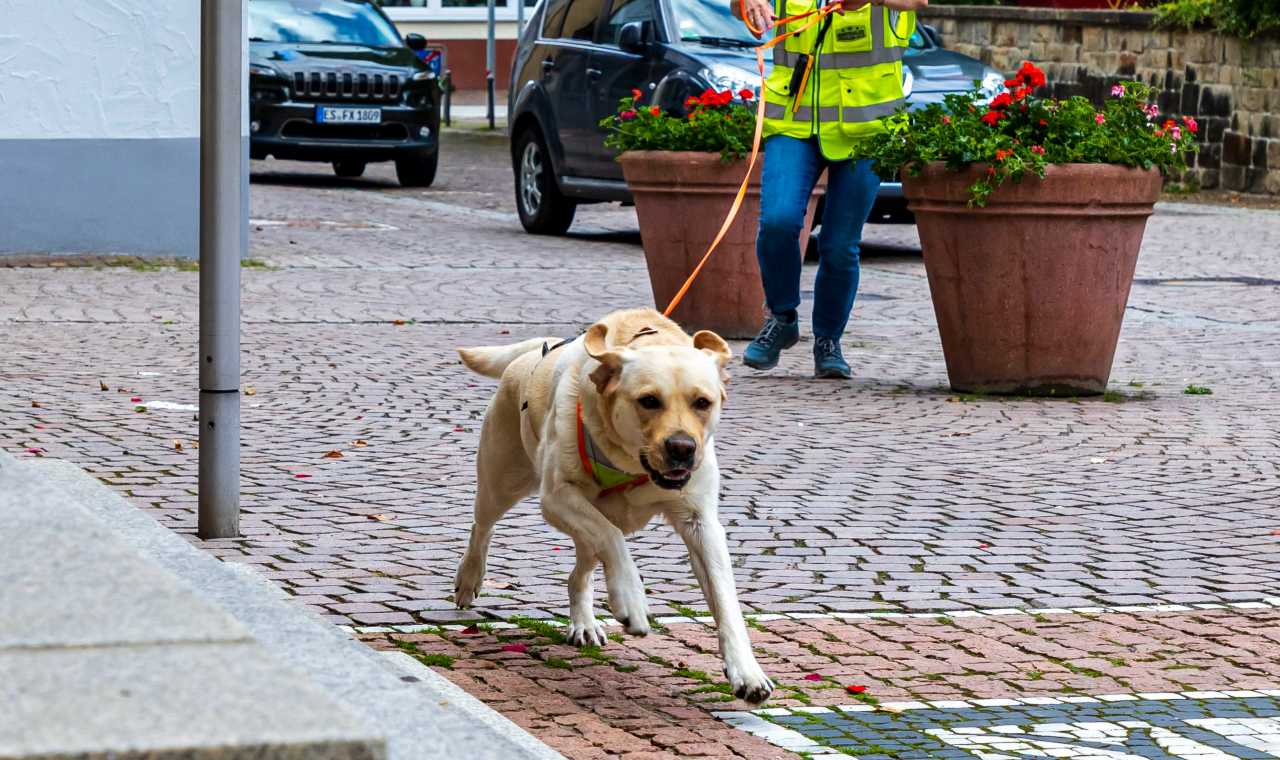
[791,167]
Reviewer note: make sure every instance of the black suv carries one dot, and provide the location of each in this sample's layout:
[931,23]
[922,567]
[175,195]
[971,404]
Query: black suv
[577,58]
[331,80]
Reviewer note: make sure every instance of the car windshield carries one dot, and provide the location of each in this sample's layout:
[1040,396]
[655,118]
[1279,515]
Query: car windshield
[319,21]
[709,19]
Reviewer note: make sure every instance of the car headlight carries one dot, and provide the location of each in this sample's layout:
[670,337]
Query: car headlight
[423,76]
[722,77]
[259,70]
[992,84]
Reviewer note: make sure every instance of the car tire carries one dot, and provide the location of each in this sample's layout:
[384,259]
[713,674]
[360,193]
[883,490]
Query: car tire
[417,171]
[542,207]
[348,169]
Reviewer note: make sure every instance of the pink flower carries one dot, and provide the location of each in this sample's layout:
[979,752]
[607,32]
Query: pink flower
[1036,149]
[1191,124]
[1117,91]
[1100,118]
[1152,111]
[1176,133]
[627,115]
[946,119]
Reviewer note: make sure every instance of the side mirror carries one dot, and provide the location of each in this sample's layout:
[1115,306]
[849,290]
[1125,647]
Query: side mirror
[415,41]
[933,35]
[632,37]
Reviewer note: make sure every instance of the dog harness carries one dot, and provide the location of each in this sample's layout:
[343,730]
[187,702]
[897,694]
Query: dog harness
[602,471]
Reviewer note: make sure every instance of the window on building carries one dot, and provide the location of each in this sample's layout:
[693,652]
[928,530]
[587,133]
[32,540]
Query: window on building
[624,12]
[580,21]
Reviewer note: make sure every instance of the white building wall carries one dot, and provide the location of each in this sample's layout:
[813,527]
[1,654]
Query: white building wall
[99,126]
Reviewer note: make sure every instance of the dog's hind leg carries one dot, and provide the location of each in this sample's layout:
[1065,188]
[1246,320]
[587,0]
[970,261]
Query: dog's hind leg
[503,477]
[584,629]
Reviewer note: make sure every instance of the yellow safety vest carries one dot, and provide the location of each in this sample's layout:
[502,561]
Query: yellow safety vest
[855,81]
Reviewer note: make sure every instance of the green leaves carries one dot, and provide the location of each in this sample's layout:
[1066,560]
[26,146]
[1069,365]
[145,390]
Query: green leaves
[715,124]
[1017,133]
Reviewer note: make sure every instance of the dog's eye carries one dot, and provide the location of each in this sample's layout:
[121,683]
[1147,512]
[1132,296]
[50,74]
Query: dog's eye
[702,403]
[649,402]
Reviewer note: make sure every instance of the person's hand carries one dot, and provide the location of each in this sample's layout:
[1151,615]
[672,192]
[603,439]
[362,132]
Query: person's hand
[759,14]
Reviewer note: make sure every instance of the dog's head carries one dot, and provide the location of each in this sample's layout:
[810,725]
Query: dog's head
[660,403]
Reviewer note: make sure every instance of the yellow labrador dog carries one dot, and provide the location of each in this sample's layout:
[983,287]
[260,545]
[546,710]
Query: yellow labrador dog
[610,430]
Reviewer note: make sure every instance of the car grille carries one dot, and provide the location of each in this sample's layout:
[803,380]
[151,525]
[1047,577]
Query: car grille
[346,85]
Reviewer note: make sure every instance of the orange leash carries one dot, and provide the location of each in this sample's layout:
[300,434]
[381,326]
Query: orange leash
[818,14]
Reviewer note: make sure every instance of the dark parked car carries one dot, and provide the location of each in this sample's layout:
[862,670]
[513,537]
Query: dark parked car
[577,58]
[331,80]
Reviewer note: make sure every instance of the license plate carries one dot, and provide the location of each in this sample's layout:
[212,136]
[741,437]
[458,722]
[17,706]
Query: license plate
[331,115]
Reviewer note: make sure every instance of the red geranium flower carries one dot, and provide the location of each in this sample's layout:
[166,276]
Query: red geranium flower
[635,94]
[1003,153]
[991,118]
[1001,101]
[655,110]
[1031,74]
[1038,150]
[746,94]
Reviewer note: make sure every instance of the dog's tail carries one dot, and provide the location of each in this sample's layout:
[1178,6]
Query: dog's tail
[492,361]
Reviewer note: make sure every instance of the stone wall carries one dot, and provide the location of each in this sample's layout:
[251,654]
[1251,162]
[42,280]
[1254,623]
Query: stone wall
[1232,87]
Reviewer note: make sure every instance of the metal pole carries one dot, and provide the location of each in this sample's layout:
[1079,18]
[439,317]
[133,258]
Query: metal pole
[224,237]
[519,18]
[448,97]
[490,59]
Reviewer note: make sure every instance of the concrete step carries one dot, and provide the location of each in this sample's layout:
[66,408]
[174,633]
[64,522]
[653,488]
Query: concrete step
[106,654]
[419,712]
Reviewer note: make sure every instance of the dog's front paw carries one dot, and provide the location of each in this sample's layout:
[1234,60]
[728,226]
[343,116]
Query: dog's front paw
[586,633]
[467,586]
[629,607]
[749,682]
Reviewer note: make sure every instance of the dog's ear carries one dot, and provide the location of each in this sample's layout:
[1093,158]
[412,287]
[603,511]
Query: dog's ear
[716,348]
[605,376]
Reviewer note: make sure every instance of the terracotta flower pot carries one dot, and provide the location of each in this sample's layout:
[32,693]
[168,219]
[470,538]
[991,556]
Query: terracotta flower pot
[1030,291]
[681,200]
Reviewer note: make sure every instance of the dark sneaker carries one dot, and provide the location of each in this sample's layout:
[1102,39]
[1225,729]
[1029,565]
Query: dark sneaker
[828,362]
[775,337]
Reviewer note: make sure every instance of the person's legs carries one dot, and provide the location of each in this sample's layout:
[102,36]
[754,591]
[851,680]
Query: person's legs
[851,191]
[791,168]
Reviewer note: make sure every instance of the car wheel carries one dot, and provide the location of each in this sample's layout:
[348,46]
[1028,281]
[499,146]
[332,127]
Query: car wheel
[543,209]
[417,171]
[348,168]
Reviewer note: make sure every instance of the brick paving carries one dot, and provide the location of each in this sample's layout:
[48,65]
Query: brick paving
[887,493]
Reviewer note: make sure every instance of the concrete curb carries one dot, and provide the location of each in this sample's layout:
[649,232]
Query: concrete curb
[423,717]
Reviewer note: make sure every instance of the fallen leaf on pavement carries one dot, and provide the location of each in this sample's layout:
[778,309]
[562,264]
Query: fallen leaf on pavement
[37,452]
[855,689]
[139,409]
[517,647]
[335,454]
[249,390]
[497,584]
[380,518]
[471,630]
[459,429]
[983,546]
[177,445]
[136,399]
[360,442]
[35,404]
[812,677]
[1097,460]
[397,322]
[504,332]
[301,475]
[103,386]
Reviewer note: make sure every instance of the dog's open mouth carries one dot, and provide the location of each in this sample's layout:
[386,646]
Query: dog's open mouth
[673,479]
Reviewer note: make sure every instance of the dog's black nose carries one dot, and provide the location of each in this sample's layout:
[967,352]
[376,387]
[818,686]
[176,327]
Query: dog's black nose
[680,450]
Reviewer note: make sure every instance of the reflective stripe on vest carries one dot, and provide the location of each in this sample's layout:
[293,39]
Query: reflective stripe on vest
[878,54]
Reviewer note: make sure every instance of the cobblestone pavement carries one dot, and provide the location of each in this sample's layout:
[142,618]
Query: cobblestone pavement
[889,493]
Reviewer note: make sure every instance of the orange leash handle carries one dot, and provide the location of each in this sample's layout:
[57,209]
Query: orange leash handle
[817,14]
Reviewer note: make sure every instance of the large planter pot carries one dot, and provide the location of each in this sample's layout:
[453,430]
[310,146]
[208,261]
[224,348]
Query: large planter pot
[681,200]
[1030,291]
